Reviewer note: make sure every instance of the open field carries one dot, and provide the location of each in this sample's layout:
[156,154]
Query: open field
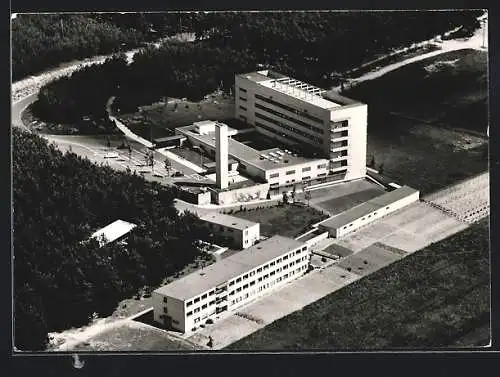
[432,298]
[164,117]
[419,128]
[133,336]
[288,220]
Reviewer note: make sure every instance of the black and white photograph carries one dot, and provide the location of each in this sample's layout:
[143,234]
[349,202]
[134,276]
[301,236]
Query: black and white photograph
[250,181]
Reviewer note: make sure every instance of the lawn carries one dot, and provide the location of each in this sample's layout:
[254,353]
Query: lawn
[437,297]
[418,128]
[175,113]
[288,220]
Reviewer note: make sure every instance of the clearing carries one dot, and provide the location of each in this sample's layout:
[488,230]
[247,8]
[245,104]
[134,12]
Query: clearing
[434,298]
[428,130]
[288,220]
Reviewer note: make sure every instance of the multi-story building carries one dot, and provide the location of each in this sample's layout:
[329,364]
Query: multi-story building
[300,114]
[226,285]
[232,231]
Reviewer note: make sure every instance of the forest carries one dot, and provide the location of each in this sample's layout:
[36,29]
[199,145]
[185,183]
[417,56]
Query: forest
[312,46]
[42,41]
[61,276]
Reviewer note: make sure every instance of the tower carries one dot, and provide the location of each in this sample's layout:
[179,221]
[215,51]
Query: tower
[221,159]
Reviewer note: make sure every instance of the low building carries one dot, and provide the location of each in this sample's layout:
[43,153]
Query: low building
[367,212]
[114,232]
[230,283]
[278,167]
[232,231]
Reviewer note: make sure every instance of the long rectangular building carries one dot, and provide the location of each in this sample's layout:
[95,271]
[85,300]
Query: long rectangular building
[369,211]
[297,113]
[229,283]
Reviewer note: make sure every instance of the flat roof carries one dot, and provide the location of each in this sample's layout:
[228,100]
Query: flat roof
[113,231]
[212,164]
[168,138]
[226,269]
[261,159]
[367,207]
[295,88]
[228,221]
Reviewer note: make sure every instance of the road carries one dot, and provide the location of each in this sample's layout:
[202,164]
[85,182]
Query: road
[475,42]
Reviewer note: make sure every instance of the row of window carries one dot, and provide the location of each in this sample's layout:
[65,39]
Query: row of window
[277,133]
[364,218]
[291,119]
[267,285]
[289,108]
[289,128]
[266,266]
[266,276]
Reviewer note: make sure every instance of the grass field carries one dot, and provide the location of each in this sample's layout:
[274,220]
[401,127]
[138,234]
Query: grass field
[436,297]
[416,128]
[162,118]
[288,220]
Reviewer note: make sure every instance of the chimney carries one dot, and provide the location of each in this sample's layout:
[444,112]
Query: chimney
[221,158]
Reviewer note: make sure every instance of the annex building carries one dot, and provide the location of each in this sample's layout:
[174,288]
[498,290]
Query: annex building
[297,113]
[229,283]
[231,230]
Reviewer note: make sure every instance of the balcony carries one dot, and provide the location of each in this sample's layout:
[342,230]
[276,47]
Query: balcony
[338,158]
[220,290]
[221,300]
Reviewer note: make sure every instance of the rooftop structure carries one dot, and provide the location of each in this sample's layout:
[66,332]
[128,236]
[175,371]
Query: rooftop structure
[113,231]
[228,221]
[226,269]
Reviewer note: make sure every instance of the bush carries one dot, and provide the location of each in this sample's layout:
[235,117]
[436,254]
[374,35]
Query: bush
[209,321]
[323,259]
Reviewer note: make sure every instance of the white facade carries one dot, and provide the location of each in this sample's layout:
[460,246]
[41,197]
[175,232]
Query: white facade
[300,114]
[230,283]
[370,211]
[232,231]
[221,156]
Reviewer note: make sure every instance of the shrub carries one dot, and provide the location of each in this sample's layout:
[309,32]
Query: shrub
[323,259]
[209,321]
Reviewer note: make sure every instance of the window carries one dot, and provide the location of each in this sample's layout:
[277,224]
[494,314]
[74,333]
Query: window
[260,279]
[243,107]
[244,118]
[231,283]
[245,276]
[196,320]
[197,299]
[212,293]
[211,302]
[175,322]
[272,273]
[189,303]
[204,296]
[274,175]
[196,310]
[245,286]
[259,269]
[204,306]
[307,168]
[266,276]
[272,263]
[290,172]
[189,314]
[165,300]
[279,260]
[386,207]
[321,174]
[252,282]
[285,276]
[297,252]
[304,248]
[285,267]
[252,273]
[266,267]
[375,214]
[285,257]
[350,224]
[243,99]
[243,90]
[238,290]
[238,280]
[322,166]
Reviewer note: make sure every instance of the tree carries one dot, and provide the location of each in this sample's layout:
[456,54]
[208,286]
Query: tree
[285,198]
[293,193]
[372,162]
[381,169]
[168,165]
[308,196]
[31,333]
